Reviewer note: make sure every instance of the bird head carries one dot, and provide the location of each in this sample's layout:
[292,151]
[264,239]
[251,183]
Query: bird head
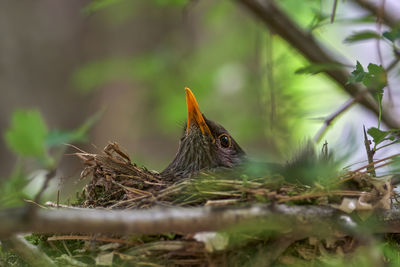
[205,144]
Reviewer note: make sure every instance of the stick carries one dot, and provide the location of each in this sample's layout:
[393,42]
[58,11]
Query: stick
[314,220]
[333,13]
[370,154]
[327,122]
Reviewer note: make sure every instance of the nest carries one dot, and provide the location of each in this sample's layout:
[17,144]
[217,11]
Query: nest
[117,183]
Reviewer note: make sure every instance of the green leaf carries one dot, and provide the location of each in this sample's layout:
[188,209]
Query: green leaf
[11,194]
[377,135]
[317,68]
[57,137]
[358,74]
[27,133]
[392,35]
[364,19]
[362,36]
[318,18]
[376,80]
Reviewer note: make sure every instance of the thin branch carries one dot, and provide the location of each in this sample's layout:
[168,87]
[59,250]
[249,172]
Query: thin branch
[306,44]
[90,238]
[393,64]
[49,176]
[382,17]
[270,77]
[370,154]
[333,11]
[379,22]
[332,117]
[32,208]
[375,9]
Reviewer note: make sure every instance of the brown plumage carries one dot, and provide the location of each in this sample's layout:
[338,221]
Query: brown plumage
[205,145]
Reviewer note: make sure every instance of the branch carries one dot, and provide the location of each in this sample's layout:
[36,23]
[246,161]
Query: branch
[155,221]
[333,13]
[375,9]
[305,43]
[370,154]
[310,220]
[328,120]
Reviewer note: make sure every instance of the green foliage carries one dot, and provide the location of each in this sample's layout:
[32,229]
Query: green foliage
[58,137]
[358,74]
[375,79]
[317,68]
[59,251]
[364,19]
[391,251]
[392,35]
[11,194]
[362,36]
[318,19]
[8,258]
[27,135]
[380,136]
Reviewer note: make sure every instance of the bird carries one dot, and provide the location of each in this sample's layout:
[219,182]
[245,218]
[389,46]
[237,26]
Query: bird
[205,145]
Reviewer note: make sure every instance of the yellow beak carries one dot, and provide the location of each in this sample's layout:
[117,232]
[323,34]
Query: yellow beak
[194,113]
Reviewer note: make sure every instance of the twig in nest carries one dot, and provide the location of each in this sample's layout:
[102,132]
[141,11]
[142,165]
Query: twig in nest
[375,162]
[322,194]
[356,173]
[89,238]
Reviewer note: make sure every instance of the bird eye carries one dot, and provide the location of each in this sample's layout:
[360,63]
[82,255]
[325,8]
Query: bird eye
[224,140]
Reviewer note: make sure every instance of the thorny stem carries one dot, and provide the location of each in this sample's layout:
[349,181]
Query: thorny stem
[370,154]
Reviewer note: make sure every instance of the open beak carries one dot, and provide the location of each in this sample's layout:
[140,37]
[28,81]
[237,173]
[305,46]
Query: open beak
[194,114]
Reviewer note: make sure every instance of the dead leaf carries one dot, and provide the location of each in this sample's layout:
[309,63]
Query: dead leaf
[105,259]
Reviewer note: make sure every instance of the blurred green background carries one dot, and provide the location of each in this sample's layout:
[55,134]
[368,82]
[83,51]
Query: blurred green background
[129,61]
